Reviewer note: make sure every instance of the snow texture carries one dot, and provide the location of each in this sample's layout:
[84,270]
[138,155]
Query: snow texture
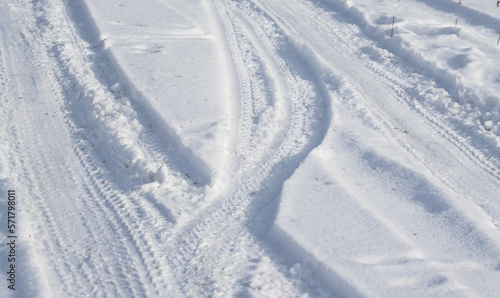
[251,148]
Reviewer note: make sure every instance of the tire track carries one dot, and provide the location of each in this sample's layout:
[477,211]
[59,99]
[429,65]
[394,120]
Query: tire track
[226,226]
[18,158]
[110,217]
[52,223]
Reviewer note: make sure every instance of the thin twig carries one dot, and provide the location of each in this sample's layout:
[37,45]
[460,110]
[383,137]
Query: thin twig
[392,32]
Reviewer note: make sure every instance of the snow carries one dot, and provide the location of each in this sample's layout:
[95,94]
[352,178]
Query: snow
[220,148]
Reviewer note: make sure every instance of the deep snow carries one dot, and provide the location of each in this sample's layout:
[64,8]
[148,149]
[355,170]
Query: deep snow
[251,148]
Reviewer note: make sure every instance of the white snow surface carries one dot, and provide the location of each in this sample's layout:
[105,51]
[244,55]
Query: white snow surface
[251,148]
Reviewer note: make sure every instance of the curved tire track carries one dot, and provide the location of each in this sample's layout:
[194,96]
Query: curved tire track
[231,225]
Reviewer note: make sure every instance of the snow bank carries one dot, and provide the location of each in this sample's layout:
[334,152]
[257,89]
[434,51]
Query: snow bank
[460,62]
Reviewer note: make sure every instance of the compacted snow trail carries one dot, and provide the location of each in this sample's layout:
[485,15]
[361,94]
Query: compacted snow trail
[63,193]
[251,148]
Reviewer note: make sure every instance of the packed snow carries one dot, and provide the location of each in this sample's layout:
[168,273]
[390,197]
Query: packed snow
[250,148]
